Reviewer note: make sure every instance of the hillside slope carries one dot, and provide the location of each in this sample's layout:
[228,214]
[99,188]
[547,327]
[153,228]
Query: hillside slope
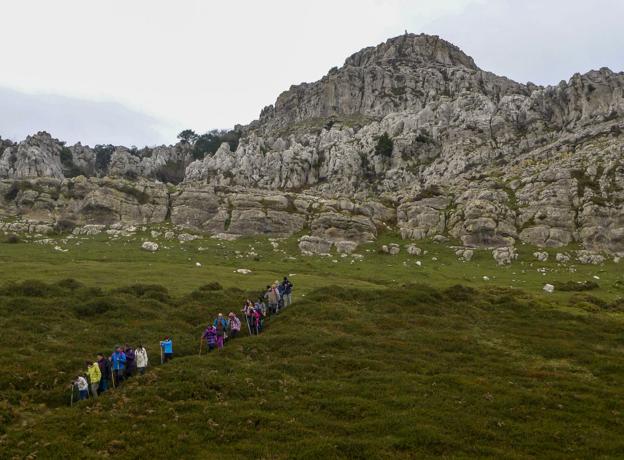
[355,374]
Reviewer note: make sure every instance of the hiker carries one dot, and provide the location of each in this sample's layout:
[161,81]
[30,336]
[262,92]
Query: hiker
[255,312]
[105,372]
[248,312]
[288,287]
[83,387]
[141,358]
[272,298]
[235,325]
[118,361]
[95,375]
[221,324]
[210,334]
[167,348]
[130,361]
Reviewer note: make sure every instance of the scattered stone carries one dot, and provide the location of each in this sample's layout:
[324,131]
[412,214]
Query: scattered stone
[440,239]
[486,278]
[589,258]
[562,258]
[155,234]
[549,288]
[197,264]
[149,246]
[413,250]
[504,255]
[541,256]
[345,247]
[465,254]
[225,237]
[184,237]
[169,235]
[314,245]
[393,249]
[243,271]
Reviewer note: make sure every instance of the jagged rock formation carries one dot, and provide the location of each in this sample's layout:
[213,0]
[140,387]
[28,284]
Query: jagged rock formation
[474,156]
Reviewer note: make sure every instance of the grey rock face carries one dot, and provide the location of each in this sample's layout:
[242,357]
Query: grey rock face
[474,157]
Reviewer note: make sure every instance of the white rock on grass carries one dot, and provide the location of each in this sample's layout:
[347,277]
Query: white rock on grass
[345,247]
[197,264]
[149,246]
[225,237]
[182,237]
[541,256]
[562,258]
[243,271]
[549,288]
[169,235]
[413,250]
[589,258]
[504,255]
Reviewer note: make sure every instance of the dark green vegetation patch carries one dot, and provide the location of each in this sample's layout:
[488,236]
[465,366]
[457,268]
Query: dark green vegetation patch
[405,372]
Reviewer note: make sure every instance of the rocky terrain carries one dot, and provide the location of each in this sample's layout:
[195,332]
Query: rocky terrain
[467,156]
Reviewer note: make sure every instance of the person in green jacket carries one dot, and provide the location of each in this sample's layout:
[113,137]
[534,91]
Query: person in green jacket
[94,374]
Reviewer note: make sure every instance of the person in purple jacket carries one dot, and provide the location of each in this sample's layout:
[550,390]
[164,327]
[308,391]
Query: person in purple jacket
[130,361]
[210,334]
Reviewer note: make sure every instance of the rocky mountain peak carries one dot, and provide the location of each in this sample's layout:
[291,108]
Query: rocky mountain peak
[421,50]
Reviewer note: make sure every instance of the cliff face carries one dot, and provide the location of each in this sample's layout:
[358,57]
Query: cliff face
[474,156]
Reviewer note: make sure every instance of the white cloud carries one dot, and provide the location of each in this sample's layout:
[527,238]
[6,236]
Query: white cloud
[208,64]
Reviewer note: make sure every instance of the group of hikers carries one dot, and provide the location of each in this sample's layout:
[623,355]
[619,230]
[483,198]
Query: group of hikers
[111,371]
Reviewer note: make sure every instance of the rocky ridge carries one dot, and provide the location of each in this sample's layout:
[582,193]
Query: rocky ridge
[475,157]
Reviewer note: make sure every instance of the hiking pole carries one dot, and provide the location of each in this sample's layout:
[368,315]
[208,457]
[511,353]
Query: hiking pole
[71,398]
[248,326]
[161,355]
[113,377]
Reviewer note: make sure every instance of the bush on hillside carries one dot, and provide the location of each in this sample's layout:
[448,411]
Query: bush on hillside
[384,146]
[12,239]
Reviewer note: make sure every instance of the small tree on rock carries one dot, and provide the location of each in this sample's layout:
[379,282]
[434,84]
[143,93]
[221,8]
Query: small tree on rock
[188,136]
[384,146]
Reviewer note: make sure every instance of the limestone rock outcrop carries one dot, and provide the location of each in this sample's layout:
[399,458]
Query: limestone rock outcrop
[472,156]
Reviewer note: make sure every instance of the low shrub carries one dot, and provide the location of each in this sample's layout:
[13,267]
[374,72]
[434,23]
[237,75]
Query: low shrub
[12,239]
[573,286]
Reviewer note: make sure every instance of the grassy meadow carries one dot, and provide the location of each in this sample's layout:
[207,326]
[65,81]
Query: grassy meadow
[379,358]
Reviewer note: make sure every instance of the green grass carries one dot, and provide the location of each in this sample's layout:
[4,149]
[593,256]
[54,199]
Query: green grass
[376,359]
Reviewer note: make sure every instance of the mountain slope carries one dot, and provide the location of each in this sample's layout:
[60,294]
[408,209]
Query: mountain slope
[469,156]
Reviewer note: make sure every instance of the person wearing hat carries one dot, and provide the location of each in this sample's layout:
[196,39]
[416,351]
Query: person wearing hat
[235,325]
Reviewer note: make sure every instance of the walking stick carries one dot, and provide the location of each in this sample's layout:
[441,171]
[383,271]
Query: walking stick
[248,326]
[161,354]
[71,398]
[113,377]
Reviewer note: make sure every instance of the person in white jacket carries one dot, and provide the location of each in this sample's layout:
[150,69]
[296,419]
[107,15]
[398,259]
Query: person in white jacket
[141,358]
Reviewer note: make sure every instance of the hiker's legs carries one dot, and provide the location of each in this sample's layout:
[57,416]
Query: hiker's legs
[211,347]
[168,356]
[220,342]
[83,394]
[119,376]
[141,370]
[103,386]
[233,333]
[94,389]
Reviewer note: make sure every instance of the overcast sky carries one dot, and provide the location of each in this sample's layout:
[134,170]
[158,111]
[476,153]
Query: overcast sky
[137,72]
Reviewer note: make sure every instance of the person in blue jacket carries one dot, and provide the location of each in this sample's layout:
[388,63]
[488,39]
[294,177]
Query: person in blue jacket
[118,361]
[167,348]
